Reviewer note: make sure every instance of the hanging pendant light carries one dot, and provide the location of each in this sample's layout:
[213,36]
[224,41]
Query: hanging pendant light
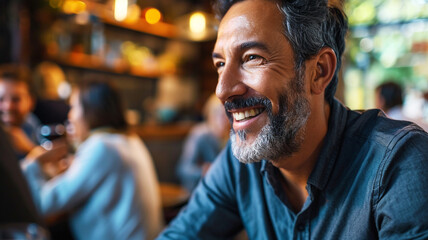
[120,9]
[197,26]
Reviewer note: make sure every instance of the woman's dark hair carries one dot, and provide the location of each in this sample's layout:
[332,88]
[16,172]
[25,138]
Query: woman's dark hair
[309,25]
[391,93]
[102,105]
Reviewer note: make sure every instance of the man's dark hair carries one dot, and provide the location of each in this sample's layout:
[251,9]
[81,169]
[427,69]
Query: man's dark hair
[309,25]
[102,105]
[391,93]
[16,74]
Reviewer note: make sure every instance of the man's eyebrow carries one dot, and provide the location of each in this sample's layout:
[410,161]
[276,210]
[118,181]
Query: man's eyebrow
[245,46]
[254,44]
[216,55]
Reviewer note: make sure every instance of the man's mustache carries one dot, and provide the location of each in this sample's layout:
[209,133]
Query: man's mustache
[240,102]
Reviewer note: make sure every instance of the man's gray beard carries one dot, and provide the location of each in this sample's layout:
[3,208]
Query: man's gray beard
[280,138]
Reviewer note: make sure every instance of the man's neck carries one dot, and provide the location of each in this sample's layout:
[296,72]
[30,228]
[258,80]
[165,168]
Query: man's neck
[294,181]
[297,168]
[295,190]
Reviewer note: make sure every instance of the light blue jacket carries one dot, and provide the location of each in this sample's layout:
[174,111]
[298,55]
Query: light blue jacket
[110,190]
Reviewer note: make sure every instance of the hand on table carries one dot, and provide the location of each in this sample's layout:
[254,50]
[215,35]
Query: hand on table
[54,161]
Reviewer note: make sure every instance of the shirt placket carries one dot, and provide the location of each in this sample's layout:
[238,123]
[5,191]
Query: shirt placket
[301,230]
[301,224]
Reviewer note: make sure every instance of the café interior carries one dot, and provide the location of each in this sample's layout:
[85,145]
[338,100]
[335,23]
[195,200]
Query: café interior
[158,54]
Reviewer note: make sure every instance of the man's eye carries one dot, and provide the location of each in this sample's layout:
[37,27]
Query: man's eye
[219,64]
[254,59]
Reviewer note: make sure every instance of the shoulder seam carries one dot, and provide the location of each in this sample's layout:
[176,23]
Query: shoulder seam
[377,187]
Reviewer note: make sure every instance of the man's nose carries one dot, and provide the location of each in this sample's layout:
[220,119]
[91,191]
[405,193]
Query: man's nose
[230,83]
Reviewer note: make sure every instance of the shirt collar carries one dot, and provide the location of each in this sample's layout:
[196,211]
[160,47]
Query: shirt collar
[331,146]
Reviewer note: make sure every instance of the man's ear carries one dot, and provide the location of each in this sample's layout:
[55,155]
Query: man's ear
[326,63]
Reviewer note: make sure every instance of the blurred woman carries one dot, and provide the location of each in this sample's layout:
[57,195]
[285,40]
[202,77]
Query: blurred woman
[110,189]
[203,143]
[389,97]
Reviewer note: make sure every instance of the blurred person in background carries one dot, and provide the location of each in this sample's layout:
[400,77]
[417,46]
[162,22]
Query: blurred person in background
[203,144]
[110,189]
[389,98]
[16,104]
[18,215]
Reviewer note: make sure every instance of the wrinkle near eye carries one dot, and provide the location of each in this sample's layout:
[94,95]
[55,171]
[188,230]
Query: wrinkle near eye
[254,60]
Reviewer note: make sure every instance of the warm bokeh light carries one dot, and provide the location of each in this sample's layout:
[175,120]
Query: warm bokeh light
[74,7]
[197,22]
[134,53]
[120,9]
[152,15]
[134,12]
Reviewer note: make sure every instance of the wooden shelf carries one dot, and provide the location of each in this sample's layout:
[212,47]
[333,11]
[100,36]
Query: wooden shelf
[160,29]
[97,63]
[88,62]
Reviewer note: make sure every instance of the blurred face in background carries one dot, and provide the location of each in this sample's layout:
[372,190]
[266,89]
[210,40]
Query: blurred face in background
[216,117]
[78,124]
[15,102]
[219,121]
[379,101]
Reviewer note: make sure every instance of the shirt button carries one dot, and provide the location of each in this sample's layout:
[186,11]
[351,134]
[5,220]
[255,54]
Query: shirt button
[300,227]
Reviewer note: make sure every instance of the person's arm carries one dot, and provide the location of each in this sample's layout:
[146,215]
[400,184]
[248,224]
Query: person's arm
[401,189]
[20,141]
[91,165]
[212,212]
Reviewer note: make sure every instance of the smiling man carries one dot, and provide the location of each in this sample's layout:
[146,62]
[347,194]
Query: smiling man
[16,104]
[308,167]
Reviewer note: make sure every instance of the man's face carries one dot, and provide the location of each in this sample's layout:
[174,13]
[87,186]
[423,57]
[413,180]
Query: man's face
[15,102]
[262,92]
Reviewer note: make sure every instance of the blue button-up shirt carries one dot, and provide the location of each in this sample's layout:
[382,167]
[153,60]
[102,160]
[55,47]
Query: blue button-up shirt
[370,182]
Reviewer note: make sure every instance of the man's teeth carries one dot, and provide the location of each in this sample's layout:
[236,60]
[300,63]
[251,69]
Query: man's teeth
[238,116]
